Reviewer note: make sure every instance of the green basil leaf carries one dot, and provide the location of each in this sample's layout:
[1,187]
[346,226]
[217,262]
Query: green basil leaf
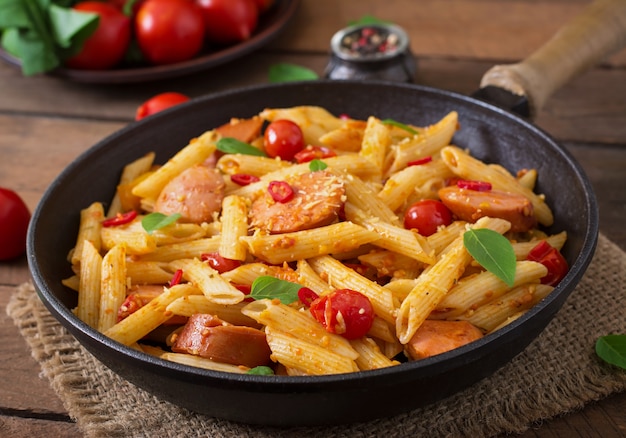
[231,145]
[493,251]
[71,28]
[316,165]
[407,128]
[261,371]
[155,221]
[285,72]
[274,288]
[368,19]
[612,349]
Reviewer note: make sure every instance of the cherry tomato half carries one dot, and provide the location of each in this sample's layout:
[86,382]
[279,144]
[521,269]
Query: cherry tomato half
[426,216]
[219,263]
[345,312]
[283,138]
[105,48]
[552,259]
[14,218]
[159,103]
[229,21]
[169,31]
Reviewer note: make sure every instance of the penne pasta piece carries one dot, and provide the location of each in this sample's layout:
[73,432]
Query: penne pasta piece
[364,198]
[314,121]
[234,225]
[112,286]
[203,362]
[88,230]
[185,250]
[191,304]
[288,247]
[208,280]
[136,240]
[230,164]
[311,359]
[140,272]
[124,200]
[370,356]
[522,249]
[88,307]
[376,143]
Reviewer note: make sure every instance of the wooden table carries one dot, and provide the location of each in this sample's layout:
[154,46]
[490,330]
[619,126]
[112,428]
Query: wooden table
[46,122]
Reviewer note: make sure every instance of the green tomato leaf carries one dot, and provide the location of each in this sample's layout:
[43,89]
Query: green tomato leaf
[156,221]
[231,145]
[274,288]
[407,128]
[316,165]
[493,251]
[261,371]
[612,349]
[285,72]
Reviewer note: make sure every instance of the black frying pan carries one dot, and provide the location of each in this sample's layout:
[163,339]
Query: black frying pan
[491,133]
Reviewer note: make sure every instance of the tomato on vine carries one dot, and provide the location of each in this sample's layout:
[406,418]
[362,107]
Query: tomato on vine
[229,21]
[169,31]
[106,47]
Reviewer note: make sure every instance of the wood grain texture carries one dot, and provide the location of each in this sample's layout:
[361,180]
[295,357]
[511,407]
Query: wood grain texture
[46,122]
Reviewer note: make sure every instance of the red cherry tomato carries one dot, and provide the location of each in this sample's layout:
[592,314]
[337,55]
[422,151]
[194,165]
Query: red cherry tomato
[159,103]
[14,218]
[345,312]
[169,31]
[219,263]
[105,48]
[552,259]
[284,139]
[426,216]
[229,21]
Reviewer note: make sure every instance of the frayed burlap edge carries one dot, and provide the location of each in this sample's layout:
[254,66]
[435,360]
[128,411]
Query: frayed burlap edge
[556,374]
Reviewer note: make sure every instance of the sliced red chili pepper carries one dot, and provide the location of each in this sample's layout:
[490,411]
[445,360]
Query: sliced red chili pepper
[307,296]
[311,153]
[178,275]
[120,219]
[219,263]
[281,191]
[479,186]
[243,179]
[420,161]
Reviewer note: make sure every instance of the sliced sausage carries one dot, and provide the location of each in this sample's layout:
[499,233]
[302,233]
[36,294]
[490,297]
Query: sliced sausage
[436,337]
[208,336]
[318,198]
[471,205]
[244,130]
[196,194]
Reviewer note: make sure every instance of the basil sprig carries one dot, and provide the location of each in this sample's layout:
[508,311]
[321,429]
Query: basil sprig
[274,288]
[317,164]
[285,72]
[400,125]
[493,252]
[231,145]
[43,33]
[261,370]
[612,349]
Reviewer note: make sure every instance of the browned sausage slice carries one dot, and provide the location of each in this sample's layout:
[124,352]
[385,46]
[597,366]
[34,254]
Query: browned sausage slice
[436,337]
[207,336]
[196,194]
[244,130]
[318,198]
[471,205]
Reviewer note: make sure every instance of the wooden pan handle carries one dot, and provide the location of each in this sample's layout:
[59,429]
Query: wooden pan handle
[596,33]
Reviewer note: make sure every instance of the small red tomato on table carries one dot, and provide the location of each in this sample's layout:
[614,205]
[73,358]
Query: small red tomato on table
[169,31]
[229,21]
[14,219]
[106,47]
[158,103]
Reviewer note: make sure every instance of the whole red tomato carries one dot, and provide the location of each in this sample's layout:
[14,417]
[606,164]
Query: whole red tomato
[229,21]
[14,218]
[159,103]
[106,47]
[169,31]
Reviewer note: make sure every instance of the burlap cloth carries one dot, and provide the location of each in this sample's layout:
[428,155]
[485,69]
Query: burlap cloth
[558,373]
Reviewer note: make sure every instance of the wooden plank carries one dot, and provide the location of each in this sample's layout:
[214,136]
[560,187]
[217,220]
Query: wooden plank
[16,427]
